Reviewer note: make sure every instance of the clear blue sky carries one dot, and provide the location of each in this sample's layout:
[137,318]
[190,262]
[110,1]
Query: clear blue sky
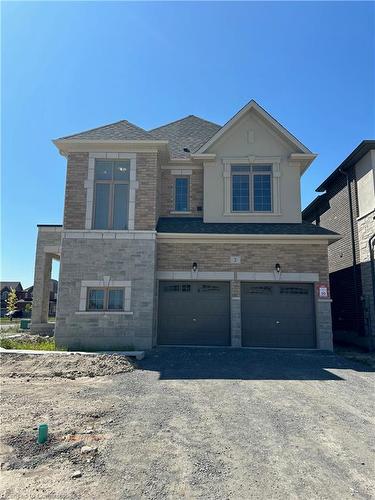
[67,67]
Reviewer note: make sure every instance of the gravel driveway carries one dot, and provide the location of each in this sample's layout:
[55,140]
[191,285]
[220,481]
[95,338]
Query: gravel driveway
[211,424]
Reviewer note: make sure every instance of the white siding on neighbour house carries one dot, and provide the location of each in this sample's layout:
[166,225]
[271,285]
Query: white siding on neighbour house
[365,175]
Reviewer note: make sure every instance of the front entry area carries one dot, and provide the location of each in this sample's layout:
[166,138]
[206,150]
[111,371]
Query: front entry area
[194,313]
[278,315]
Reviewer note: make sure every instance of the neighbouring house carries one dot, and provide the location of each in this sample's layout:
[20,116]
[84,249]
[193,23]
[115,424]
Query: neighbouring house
[25,296]
[187,234]
[5,288]
[348,207]
[29,292]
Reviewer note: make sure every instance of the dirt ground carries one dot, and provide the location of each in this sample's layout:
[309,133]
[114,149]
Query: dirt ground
[189,423]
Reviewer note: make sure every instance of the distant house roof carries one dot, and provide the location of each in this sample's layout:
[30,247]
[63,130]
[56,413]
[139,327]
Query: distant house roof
[313,209]
[196,225]
[11,284]
[363,148]
[190,132]
[121,131]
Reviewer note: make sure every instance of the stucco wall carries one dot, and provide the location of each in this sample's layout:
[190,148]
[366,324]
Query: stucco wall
[365,175]
[251,136]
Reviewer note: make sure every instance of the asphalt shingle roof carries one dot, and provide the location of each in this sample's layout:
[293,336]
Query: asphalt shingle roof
[196,225]
[10,284]
[190,132]
[122,130]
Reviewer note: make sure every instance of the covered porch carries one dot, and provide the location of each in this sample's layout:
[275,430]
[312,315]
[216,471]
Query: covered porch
[48,249]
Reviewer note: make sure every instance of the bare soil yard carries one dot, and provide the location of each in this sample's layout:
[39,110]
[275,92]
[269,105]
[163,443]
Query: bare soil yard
[190,423]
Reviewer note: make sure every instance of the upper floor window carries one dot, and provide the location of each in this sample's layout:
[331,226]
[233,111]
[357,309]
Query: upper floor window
[111,198]
[181,194]
[251,188]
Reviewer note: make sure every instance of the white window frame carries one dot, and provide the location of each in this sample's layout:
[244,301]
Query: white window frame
[252,161]
[250,175]
[90,186]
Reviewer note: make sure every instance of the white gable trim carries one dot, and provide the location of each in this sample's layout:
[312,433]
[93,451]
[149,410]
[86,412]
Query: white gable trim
[266,116]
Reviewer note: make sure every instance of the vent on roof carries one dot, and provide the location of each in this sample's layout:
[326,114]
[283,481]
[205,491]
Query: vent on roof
[187,150]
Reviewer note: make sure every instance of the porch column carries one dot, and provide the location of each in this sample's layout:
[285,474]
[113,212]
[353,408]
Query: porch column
[42,283]
[235,313]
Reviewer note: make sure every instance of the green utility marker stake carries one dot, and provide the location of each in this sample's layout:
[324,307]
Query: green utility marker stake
[42,433]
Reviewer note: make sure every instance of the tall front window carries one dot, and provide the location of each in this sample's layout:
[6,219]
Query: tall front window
[182,194]
[111,201]
[251,188]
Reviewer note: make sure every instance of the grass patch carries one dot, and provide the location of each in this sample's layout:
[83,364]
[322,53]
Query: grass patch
[39,344]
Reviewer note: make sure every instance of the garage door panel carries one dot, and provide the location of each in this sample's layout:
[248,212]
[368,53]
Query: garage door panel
[194,313]
[277,315]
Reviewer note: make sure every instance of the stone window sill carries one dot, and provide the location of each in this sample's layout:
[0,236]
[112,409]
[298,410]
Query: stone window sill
[176,212]
[252,214]
[105,313]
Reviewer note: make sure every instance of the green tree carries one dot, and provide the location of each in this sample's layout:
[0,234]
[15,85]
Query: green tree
[11,300]
[28,307]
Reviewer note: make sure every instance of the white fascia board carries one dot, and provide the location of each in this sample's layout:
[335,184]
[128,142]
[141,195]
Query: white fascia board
[287,238]
[266,116]
[302,160]
[76,145]
[204,157]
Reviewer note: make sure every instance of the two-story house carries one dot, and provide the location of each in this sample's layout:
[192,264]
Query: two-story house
[187,234]
[348,207]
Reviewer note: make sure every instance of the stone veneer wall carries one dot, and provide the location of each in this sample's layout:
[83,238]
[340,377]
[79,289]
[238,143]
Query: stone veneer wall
[92,259]
[195,190]
[366,229]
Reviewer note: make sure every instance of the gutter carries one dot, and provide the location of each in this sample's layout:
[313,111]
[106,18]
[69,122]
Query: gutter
[324,238]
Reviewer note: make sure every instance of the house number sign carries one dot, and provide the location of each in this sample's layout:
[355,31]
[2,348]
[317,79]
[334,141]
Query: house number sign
[323,292]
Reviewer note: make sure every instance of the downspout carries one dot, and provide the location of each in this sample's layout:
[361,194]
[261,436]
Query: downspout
[355,285]
[371,244]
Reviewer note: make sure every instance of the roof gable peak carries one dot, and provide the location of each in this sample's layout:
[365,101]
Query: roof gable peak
[254,106]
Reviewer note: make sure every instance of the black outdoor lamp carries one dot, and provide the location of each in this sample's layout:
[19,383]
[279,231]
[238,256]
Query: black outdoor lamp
[194,267]
[277,267]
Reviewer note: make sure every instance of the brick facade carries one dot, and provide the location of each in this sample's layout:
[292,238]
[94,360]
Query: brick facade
[145,198]
[167,205]
[293,258]
[146,194]
[353,308]
[75,191]
[255,258]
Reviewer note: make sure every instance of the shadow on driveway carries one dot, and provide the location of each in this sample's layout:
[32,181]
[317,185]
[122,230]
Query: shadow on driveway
[246,364]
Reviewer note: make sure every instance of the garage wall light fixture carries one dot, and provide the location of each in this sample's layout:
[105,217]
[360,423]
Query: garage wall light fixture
[194,267]
[278,267]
